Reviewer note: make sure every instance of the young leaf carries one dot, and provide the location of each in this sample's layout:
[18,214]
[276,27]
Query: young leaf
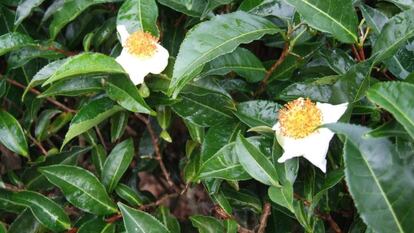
[24,9]
[133,197]
[117,163]
[337,17]
[218,36]
[255,162]
[137,221]
[395,97]
[89,116]
[206,224]
[378,180]
[138,15]
[81,188]
[46,211]
[12,135]
[97,225]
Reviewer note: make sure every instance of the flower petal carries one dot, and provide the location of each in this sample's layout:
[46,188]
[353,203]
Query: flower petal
[159,61]
[134,66]
[123,33]
[331,113]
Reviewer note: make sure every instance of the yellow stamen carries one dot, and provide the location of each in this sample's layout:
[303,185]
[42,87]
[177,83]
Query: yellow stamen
[141,44]
[299,118]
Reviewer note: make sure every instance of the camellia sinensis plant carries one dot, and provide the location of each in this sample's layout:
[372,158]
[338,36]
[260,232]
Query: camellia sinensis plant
[211,116]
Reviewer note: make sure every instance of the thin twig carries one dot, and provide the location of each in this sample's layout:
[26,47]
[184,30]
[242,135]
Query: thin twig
[10,187]
[64,52]
[279,61]
[158,155]
[36,92]
[356,54]
[159,201]
[38,144]
[263,219]
[101,138]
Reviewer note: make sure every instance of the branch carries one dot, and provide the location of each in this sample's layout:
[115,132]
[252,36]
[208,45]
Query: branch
[36,92]
[158,155]
[264,217]
[279,61]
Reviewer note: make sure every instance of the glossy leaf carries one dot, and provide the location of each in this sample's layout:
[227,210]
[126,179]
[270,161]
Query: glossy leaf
[395,97]
[163,215]
[206,110]
[394,34]
[97,225]
[378,180]
[24,9]
[241,61]
[282,196]
[89,116]
[74,87]
[337,17]
[12,135]
[7,203]
[224,165]
[43,123]
[255,162]
[189,7]
[13,41]
[85,64]
[278,8]
[117,163]
[199,48]
[206,224]
[243,199]
[122,90]
[137,221]
[25,223]
[46,211]
[81,188]
[67,12]
[138,15]
[258,113]
[131,196]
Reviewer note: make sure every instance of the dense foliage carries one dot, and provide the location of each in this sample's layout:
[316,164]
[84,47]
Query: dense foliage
[84,149]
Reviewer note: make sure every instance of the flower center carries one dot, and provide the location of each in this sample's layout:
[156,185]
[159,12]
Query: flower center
[299,118]
[141,44]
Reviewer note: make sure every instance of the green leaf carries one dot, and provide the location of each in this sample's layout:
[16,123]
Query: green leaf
[282,196]
[395,97]
[332,179]
[97,225]
[12,135]
[117,163]
[24,55]
[43,123]
[255,162]
[119,122]
[138,15]
[378,180]
[257,113]
[81,188]
[74,87]
[2,228]
[206,224]
[7,203]
[192,8]
[137,221]
[24,9]
[389,129]
[68,12]
[121,89]
[85,64]
[243,198]
[131,196]
[277,8]
[89,116]
[337,17]
[46,211]
[403,4]
[201,45]
[25,223]
[163,215]
[13,41]
[219,136]
[241,61]
[224,165]
[205,110]
[394,34]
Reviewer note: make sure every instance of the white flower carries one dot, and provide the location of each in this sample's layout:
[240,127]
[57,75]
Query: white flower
[141,54]
[298,133]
